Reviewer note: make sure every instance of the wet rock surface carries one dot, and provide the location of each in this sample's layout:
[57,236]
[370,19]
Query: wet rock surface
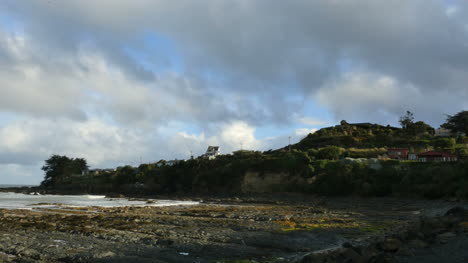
[227,230]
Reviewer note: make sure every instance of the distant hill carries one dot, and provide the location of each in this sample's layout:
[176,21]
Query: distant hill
[364,135]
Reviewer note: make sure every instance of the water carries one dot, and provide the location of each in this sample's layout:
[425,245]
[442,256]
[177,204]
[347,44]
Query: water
[24,201]
[15,185]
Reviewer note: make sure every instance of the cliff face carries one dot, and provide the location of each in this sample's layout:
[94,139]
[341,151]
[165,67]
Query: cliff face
[255,182]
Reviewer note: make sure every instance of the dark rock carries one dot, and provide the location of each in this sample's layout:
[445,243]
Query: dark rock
[107,254]
[30,253]
[390,245]
[417,243]
[315,258]
[458,212]
[444,237]
[351,255]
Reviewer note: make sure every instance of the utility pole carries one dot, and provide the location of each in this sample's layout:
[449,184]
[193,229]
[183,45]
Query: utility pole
[191,155]
[141,160]
[241,146]
[289,143]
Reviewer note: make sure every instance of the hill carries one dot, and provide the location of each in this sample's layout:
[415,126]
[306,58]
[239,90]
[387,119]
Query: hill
[318,164]
[367,135]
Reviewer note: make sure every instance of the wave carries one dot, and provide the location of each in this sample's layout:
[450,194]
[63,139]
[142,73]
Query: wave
[95,196]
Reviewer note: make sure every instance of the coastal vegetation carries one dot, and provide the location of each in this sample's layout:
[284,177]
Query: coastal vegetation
[346,159]
[59,168]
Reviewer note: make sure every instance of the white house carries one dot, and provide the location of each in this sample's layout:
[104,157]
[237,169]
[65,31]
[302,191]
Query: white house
[173,162]
[412,156]
[442,132]
[212,152]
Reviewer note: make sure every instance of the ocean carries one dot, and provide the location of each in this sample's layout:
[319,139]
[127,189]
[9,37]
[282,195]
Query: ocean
[25,201]
[16,185]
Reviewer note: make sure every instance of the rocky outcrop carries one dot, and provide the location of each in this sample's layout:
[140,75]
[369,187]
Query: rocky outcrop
[402,242]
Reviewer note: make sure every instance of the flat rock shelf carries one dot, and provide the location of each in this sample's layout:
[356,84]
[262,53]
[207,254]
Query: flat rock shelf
[230,230]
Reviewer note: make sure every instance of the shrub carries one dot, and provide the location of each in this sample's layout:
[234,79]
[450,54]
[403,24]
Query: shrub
[330,153]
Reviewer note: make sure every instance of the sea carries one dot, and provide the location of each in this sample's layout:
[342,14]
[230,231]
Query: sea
[16,185]
[34,201]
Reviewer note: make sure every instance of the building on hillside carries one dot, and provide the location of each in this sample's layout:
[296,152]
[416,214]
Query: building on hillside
[101,171]
[412,157]
[85,171]
[212,152]
[442,132]
[398,153]
[173,162]
[432,156]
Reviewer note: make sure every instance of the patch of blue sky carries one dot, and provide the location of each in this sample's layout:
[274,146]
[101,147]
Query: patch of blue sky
[269,131]
[92,107]
[313,110]
[174,126]
[8,117]
[8,23]
[156,53]
[310,109]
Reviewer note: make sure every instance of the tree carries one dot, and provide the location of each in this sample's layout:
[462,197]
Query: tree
[406,119]
[457,122]
[462,153]
[125,175]
[58,167]
[445,143]
[419,127]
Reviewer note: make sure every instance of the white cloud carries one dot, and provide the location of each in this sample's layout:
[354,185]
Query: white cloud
[27,143]
[312,121]
[231,137]
[362,96]
[302,132]
[36,140]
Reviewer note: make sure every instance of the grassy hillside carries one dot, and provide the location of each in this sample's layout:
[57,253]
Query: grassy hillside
[365,136]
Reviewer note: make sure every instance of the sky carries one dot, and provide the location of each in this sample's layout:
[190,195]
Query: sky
[131,81]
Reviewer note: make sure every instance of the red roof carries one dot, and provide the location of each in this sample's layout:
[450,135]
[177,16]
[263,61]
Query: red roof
[436,154]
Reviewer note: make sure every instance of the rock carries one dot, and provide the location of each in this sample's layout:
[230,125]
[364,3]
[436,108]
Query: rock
[458,212]
[417,243]
[351,255]
[369,253]
[107,254]
[315,258]
[391,245]
[405,252]
[464,226]
[382,258]
[30,253]
[445,236]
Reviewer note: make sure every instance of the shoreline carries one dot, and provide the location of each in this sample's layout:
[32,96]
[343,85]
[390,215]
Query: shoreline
[263,228]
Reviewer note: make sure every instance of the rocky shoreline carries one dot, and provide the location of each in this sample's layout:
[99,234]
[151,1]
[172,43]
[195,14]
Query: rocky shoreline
[405,243]
[288,228]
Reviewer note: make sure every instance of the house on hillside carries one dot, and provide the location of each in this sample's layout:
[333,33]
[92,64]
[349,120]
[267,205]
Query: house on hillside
[101,171]
[173,162]
[412,157]
[85,171]
[433,156]
[212,152]
[398,153]
[442,132]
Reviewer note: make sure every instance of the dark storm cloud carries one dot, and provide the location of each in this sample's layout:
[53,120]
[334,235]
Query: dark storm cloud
[253,48]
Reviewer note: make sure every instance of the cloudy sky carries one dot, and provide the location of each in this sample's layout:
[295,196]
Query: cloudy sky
[117,82]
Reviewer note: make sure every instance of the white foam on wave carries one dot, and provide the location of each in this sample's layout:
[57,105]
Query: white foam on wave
[95,196]
[22,201]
